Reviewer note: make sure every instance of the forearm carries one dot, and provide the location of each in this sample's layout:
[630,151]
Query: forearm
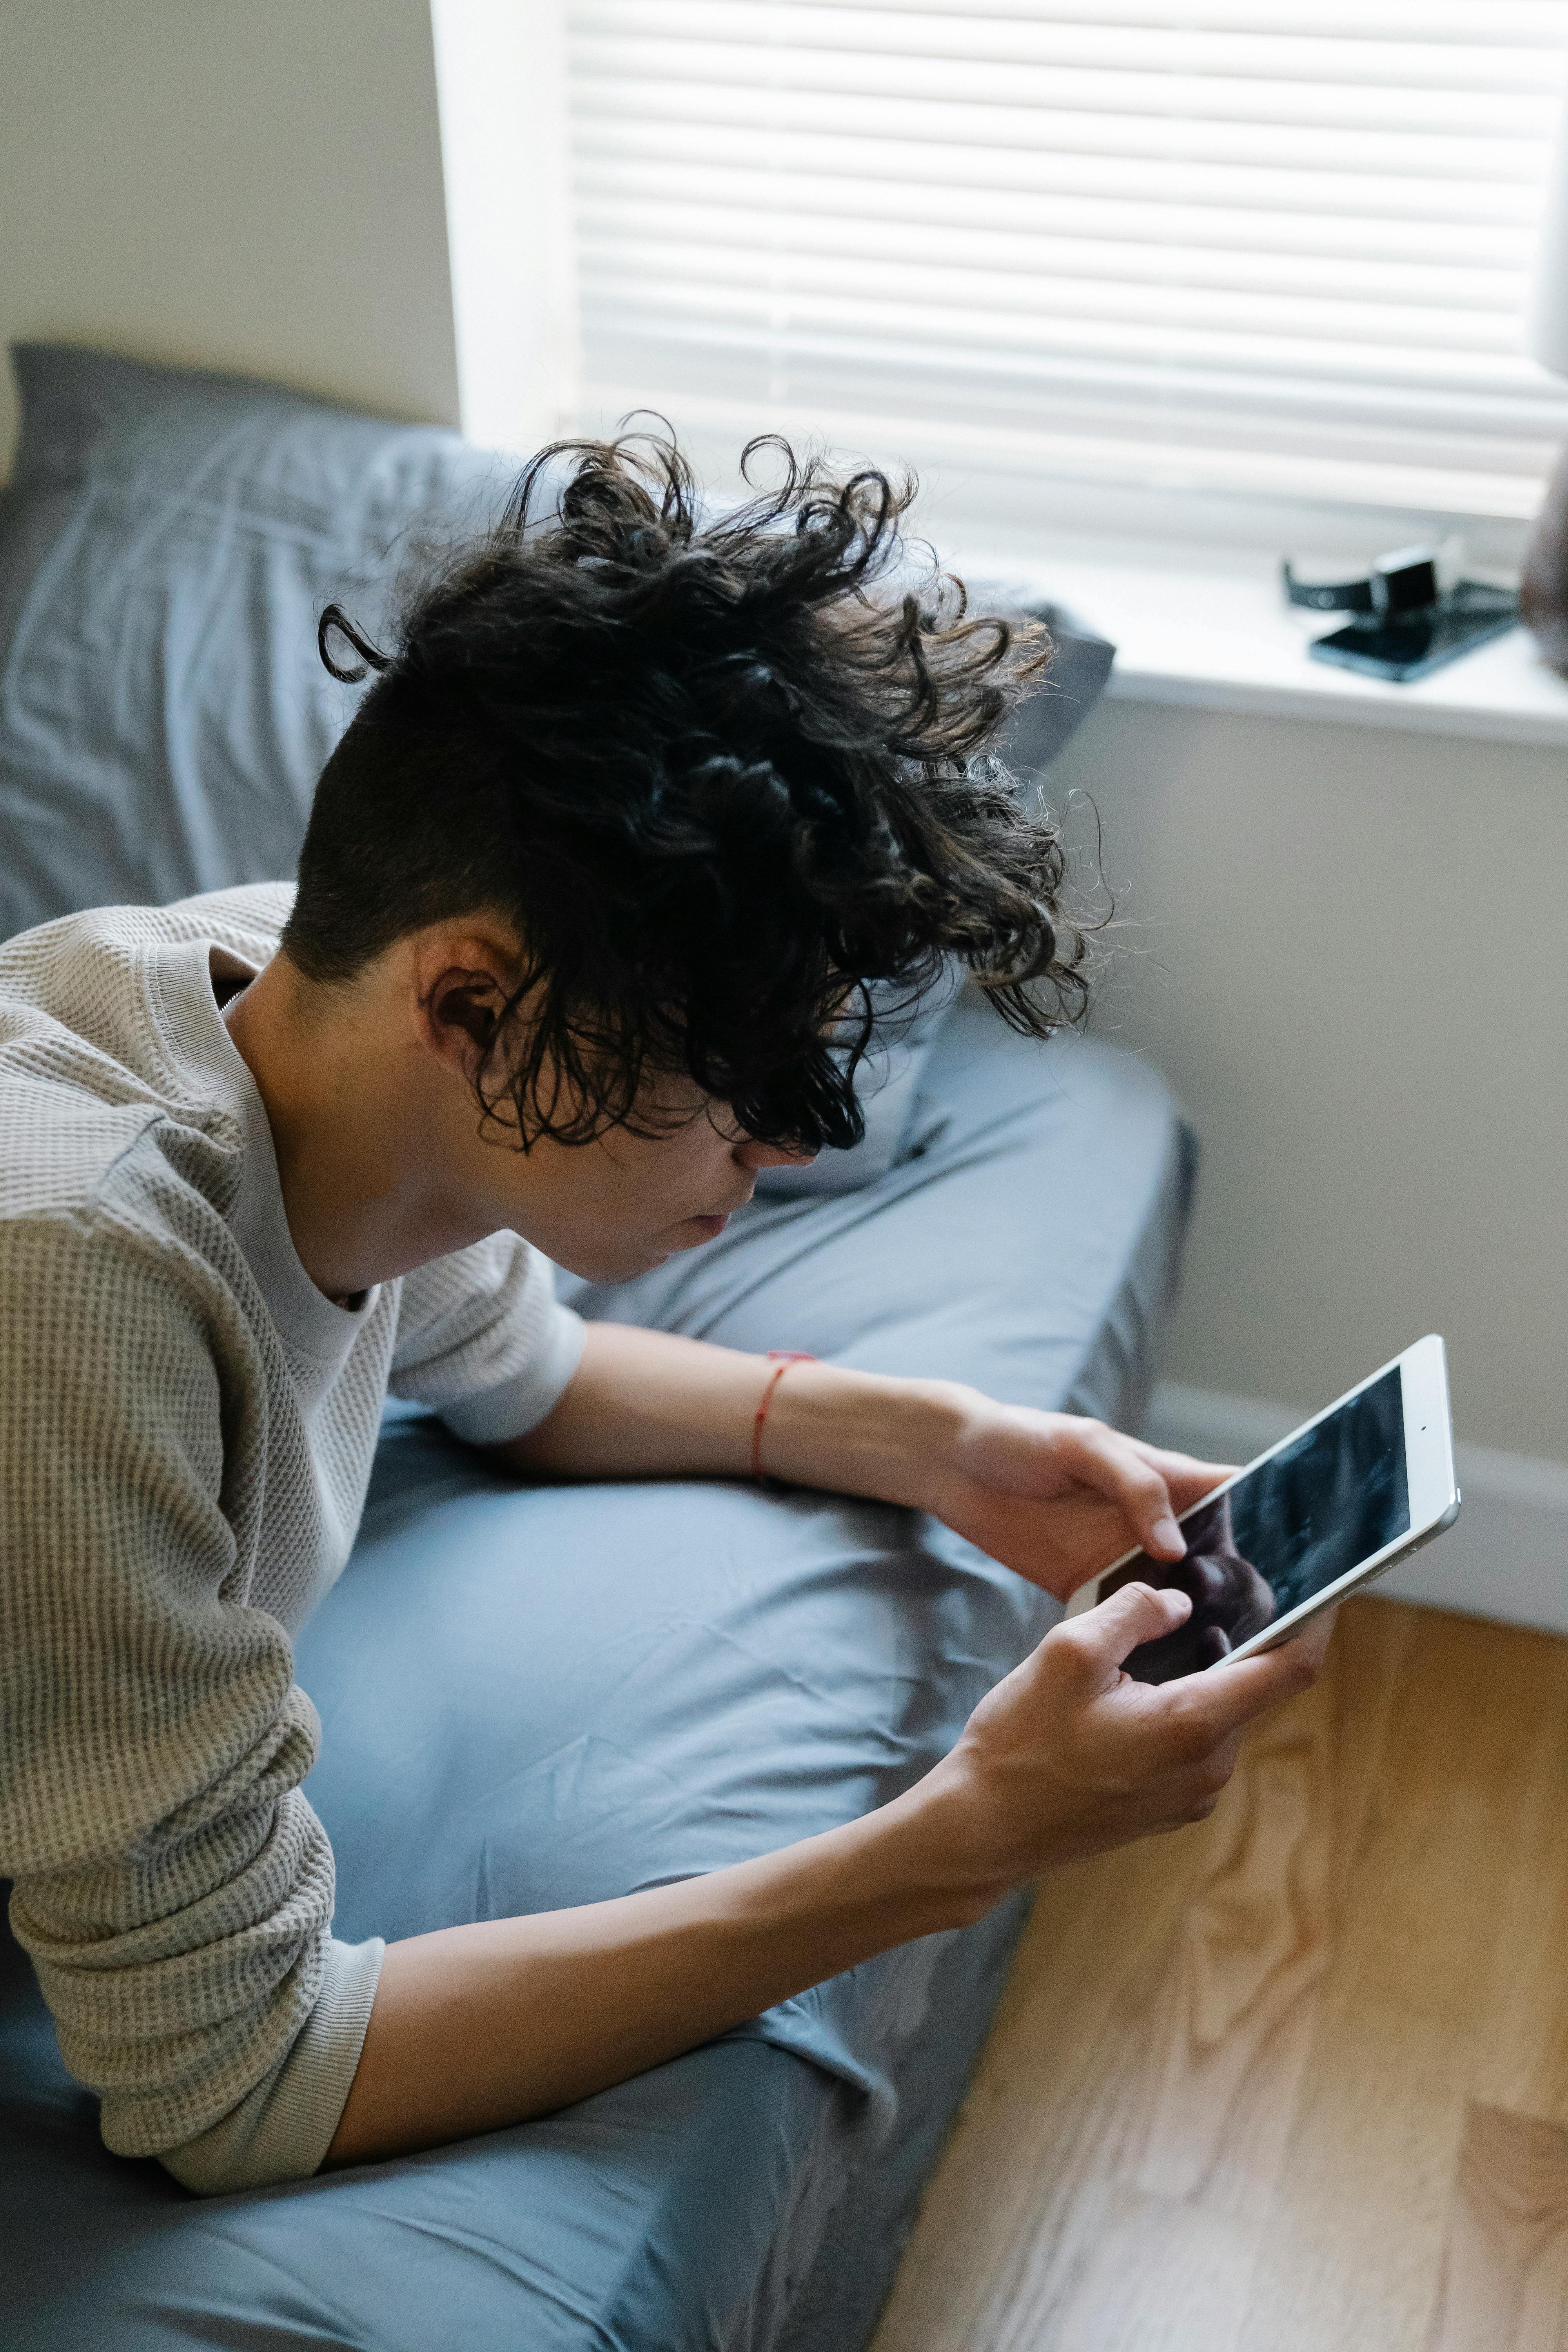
[476,2027]
[649,1404]
[1051,1495]
[481,2026]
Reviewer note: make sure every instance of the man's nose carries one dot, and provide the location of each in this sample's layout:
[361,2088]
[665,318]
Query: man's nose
[771,1155]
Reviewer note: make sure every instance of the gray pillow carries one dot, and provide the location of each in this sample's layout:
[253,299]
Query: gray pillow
[165,547]
[888,1086]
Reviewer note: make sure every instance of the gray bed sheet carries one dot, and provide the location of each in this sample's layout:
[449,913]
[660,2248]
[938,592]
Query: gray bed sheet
[534,1696]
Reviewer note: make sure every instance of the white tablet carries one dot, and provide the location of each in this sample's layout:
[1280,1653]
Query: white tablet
[1365,1484]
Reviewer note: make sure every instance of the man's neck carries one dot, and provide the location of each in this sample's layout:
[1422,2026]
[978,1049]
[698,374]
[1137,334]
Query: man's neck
[350,1130]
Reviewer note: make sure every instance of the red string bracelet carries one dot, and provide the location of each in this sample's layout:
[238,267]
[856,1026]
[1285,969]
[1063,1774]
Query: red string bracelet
[783,1358]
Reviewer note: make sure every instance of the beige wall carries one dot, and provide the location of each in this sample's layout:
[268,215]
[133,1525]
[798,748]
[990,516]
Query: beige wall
[1349,951]
[223,184]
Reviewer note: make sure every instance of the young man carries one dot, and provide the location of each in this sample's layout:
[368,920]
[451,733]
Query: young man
[591,890]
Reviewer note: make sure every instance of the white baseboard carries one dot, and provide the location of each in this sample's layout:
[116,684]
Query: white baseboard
[1508,1555]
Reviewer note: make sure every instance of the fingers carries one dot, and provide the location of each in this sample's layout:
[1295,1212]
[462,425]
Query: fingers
[1185,1469]
[1196,1787]
[1121,1470]
[1315,1636]
[1104,1635]
[1226,1698]
[1187,1479]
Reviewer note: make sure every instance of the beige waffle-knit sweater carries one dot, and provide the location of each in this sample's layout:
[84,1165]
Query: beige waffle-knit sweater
[187,1428]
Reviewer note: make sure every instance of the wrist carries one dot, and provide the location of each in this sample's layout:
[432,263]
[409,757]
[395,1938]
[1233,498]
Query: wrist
[937,1846]
[864,1433]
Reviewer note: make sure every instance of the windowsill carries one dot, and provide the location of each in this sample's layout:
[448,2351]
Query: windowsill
[1219,636]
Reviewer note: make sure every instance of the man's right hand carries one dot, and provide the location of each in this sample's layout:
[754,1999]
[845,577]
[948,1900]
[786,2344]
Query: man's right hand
[1069,1756]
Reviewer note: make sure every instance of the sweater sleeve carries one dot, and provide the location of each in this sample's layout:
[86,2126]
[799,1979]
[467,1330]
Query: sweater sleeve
[481,1337]
[173,1886]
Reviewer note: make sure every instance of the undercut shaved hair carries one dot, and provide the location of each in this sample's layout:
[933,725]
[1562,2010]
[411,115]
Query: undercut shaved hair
[717,772]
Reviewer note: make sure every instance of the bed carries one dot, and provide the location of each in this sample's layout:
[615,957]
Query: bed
[537,1695]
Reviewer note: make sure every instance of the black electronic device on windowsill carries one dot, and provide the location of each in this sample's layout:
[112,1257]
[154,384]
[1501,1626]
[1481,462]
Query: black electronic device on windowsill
[1406,623]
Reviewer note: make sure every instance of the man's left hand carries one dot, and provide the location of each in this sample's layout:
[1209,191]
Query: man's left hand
[1057,1498]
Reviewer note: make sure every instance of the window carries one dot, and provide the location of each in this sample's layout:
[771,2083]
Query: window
[1236,247]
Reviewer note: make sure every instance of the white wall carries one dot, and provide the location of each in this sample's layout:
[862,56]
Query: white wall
[233,185]
[1349,951]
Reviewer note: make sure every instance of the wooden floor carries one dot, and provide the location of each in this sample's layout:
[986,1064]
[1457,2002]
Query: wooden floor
[1295,2080]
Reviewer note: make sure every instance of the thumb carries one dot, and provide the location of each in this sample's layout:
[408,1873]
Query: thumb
[1134,1614]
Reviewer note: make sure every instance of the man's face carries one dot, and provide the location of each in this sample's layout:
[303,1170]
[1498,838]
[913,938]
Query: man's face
[387,1161]
[605,1210]
[626,1201]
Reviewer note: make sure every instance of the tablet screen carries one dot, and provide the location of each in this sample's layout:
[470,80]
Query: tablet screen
[1295,1523]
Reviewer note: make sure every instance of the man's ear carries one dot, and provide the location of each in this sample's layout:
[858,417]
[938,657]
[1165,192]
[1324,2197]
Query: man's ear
[464,1008]
[461,982]
[461,978]
[466,1003]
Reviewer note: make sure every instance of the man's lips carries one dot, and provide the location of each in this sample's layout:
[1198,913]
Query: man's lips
[711,1223]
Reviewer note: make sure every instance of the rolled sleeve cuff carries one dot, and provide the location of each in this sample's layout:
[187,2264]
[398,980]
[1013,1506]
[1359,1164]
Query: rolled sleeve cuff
[521,1403]
[282,2129]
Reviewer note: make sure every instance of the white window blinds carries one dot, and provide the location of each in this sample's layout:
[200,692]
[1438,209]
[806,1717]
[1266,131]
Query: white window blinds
[1239,245]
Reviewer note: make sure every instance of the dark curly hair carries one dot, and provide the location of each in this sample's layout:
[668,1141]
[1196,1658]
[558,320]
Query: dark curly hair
[718,773]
